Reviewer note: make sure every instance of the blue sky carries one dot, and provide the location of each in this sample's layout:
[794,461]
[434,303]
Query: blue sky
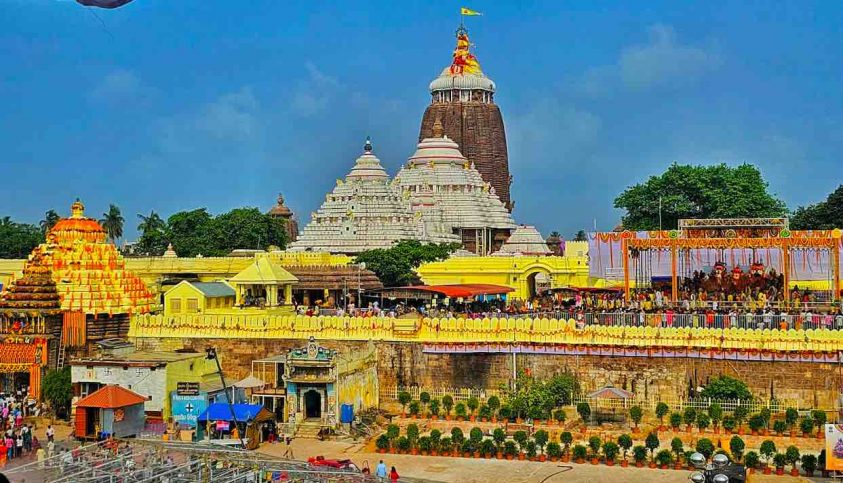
[172,105]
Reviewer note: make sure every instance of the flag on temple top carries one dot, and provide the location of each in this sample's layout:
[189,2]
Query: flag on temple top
[469,12]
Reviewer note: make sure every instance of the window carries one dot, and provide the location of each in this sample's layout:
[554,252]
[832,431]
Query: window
[192,305]
[175,305]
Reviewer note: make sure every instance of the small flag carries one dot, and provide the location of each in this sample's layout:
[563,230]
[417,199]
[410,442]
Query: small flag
[469,12]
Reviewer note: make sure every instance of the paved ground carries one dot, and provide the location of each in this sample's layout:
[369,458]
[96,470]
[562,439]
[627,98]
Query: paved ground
[466,470]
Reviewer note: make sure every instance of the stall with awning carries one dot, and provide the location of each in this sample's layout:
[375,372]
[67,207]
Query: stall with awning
[218,421]
[462,290]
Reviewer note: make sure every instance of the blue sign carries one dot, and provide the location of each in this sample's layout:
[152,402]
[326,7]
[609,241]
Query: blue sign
[186,409]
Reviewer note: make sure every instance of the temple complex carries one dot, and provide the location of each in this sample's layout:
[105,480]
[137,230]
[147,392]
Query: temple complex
[282,212]
[450,195]
[361,213]
[525,240]
[464,99]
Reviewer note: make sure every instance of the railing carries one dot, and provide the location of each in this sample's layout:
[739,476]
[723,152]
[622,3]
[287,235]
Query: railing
[715,320]
[648,404]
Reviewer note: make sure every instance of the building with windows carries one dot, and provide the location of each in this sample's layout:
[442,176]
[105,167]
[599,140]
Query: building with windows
[198,298]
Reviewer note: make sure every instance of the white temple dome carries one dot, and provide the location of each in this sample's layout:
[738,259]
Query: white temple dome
[525,240]
[448,81]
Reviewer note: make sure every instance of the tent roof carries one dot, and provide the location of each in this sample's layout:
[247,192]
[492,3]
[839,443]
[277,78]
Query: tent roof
[463,290]
[249,382]
[263,271]
[111,397]
[611,392]
[244,412]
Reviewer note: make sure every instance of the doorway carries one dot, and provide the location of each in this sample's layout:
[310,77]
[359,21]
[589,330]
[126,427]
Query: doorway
[312,404]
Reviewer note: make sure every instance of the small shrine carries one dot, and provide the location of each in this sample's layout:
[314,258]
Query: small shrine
[310,374]
[283,212]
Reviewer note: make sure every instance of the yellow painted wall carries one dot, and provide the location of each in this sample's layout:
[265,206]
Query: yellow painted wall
[197,369]
[358,380]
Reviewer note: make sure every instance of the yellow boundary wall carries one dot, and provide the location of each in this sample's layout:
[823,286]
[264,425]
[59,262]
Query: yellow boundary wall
[479,331]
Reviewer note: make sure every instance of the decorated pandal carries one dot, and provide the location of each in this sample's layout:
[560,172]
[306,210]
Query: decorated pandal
[508,335]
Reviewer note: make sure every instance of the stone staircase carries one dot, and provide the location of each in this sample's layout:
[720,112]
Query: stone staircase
[308,429]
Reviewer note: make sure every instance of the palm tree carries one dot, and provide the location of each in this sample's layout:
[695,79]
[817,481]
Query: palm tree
[150,223]
[49,221]
[112,221]
[6,222]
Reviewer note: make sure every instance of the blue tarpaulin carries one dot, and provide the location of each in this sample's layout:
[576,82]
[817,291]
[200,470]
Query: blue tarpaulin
[222,412]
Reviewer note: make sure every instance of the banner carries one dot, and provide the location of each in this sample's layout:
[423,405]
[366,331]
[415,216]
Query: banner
[186,408]
[833,447]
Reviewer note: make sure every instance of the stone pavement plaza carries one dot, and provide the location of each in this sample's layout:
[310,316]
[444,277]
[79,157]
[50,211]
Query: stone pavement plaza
[467,470]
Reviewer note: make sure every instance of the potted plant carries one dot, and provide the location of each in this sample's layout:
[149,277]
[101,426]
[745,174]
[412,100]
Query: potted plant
[689,417]
[541,437]
[687,457]
[715,413]
[415,407]
[729,424]
[447,404]
[791,456]
[703,421]
[751,461]
[610,451]
[494,404]
[424,399]
[505,413]
[675,421]
[537,414]
[705,447]
[779,427]
[499,437]
[756,424]
[435,439]
[554,451]
[652,442]
[767,450]
[820,419]
[809,464]
[487,448]
[392,432]
[766,415]
[403,444]
[594,444]
[485,413]
[636,414]
[413,437]
[559,416]
[678,448]
[566,438]
[460,411]
[779,460]
[509,450]
[821,463]
[625,443]
[807,426]
[468,450]
[520,437]
[791,416]
[446,446]
[579,453]
[424,445]
[475,436]
[382,443]
[736,446]
[531,450]
[639,454]
[584,410]
[740,413]
[664,458]
[404,398]
[473,403]
[433,407]
[661,411]
[457,438]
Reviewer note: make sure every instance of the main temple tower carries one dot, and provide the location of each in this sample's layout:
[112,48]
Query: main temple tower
[463,98]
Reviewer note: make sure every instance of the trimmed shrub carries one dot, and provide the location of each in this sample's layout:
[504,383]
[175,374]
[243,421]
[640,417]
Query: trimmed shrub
[791,416]
[740,413]
[459,409]
[475,436]
[579,452]
[767,449]
[382,442]
[559,415]
[703,421]
[473,403]
[414,407]
[639,453]
[664,457]
[445,444]
[509,448]
[661,411]
[751,459]
[625,443]
[678,447]
[499,436]
[715,412]
[705,447]
[791,455]
[425,444]
[457,436]
[807,425]
[610,450]
[675,420]
[566,438]
[447,403]
[636,414]
[554,450]
[756,422]
[413,432]
[819,417]
[594,444]
[725,387]
[652,442]
[404,399]
[779,460]
[392,432]
[520,437]
[541,437]
[403,443]
[494,404]
[424,397]
[729,423]
[487,447]
[779,426]
[689,416]
[736,446]
[433,407]
[809,463]
[584,410]
[531,449]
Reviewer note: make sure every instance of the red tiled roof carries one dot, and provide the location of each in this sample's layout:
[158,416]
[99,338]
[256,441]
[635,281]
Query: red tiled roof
[111,397]
[463,290]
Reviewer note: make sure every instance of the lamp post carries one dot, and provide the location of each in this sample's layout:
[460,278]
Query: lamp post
[212,354]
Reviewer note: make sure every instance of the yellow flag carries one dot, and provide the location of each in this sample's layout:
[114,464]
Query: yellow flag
[469,12]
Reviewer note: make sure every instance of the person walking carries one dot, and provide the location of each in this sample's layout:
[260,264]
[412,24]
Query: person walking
[393,475]
[51,433]
[288,450]
[380,472]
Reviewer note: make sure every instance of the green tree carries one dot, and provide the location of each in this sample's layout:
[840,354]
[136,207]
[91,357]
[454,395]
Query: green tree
[112,221]
[18,239]
[247,228]
[825,215]
[636,413]
[193,233]
[726,387]
[395,266]
[581,236]
[715,412]
[652,442]
[404,399]
[57,389]
[705,447]
[49,221]
[685,191]
[767,449]
[737,446]
[625,442]
[153,238]
[661,411]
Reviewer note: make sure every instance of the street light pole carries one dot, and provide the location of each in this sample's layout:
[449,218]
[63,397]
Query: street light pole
[212,354]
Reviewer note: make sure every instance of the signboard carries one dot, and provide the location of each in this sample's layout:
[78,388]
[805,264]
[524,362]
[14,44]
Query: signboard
[187,388]
[186,409]
[833,447]
[222,425]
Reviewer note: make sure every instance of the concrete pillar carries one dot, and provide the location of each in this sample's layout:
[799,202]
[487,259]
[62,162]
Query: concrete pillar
[288,294]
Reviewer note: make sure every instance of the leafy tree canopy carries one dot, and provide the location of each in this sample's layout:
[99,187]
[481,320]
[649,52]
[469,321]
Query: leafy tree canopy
[725,387]
[395,266]
[18,239]
[57,389]
[686,191]
[825,215]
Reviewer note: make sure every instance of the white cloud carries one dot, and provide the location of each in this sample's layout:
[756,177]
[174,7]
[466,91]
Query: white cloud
[117,85]
[553,133]
[662,60]
[313,94]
